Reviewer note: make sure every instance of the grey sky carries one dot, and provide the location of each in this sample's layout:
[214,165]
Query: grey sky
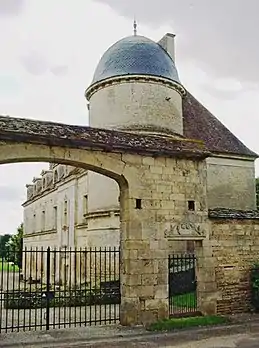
[221,35]
[49,50]
[11,7]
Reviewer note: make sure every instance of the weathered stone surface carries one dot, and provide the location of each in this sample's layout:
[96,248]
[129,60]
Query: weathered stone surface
[50,133]
[235,247]
[164,185]
[224,213]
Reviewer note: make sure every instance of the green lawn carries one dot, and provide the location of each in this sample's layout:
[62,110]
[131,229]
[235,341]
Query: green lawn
[181,323]
[185,301]
[8,267]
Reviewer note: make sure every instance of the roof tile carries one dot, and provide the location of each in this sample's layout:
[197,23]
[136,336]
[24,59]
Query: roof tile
[199,123]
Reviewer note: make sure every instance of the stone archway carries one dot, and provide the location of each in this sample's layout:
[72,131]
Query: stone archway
[127,171]
[150,172]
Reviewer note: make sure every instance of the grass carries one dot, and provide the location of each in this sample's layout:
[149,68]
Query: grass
[181,323]
[8,267]
[185,301]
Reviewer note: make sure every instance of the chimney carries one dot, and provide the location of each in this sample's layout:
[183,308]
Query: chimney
[167,42]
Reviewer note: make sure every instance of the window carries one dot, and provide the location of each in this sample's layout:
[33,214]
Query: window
[34,223]
[138,203]
[55,217]
[65,214]
[191,205]
[43,220]
[85,205]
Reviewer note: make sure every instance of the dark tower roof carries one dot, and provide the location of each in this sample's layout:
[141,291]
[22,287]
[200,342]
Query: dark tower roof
[199,123]
[136,55]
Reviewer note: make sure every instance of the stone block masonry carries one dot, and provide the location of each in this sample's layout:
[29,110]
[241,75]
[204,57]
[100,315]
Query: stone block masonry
[162,190]
[156,176]
[234,240]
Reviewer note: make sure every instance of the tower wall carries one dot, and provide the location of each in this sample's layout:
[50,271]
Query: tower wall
[149,99]
[143,105]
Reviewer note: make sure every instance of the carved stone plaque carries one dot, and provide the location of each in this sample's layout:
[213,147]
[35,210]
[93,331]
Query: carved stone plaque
[184,230]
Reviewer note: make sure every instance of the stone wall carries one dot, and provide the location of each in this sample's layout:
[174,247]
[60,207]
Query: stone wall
[169,185]
[128,104]
[157,179]
[231,183]
[235,248]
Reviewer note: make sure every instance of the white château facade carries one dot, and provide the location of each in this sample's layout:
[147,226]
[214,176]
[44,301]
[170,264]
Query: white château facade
[56,212]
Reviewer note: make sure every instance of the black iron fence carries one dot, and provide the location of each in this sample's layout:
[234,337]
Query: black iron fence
[43,289]
[182,285]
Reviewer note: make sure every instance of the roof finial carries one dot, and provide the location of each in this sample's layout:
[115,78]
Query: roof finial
[135,27]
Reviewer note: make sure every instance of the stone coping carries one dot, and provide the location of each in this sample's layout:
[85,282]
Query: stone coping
[15,130]
[224,213]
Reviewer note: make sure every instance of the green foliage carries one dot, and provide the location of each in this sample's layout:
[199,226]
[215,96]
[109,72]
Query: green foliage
[3,245]
[185,301]
[255,277]
[8,266]
[14,246]
[181,323]
[71,298]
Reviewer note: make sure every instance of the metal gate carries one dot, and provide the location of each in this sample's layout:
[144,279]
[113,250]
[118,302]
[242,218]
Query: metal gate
[182,285]
[43,289]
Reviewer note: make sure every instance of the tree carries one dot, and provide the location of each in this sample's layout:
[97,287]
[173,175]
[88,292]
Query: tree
[3,245]
[15,246]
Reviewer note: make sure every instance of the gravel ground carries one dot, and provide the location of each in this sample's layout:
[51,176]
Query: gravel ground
[35,319]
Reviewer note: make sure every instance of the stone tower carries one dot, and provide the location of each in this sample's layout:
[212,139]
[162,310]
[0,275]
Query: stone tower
[135,88]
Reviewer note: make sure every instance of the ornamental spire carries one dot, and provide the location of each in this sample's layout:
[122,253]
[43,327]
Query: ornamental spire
[135,27]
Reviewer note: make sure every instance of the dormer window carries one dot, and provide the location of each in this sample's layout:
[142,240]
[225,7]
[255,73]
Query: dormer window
[38,186]
[61,171]
[55,176]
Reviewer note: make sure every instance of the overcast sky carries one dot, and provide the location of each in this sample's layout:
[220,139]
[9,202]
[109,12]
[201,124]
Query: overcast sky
[50,48]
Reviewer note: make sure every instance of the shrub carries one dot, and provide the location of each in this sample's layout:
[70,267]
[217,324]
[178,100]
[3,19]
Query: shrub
[61,298]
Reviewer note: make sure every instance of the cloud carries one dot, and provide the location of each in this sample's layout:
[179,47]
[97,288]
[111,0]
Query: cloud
[36,63]
[222,36]
[11,7]
[59,70]
[219,93]
[224,89]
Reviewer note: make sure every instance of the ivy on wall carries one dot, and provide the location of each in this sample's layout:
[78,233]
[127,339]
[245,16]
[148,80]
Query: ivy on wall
[255,286]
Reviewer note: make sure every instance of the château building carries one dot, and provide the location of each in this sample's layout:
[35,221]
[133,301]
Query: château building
[136,88]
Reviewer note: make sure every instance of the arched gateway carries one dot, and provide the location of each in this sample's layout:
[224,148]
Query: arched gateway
[171,187]
[148,169]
